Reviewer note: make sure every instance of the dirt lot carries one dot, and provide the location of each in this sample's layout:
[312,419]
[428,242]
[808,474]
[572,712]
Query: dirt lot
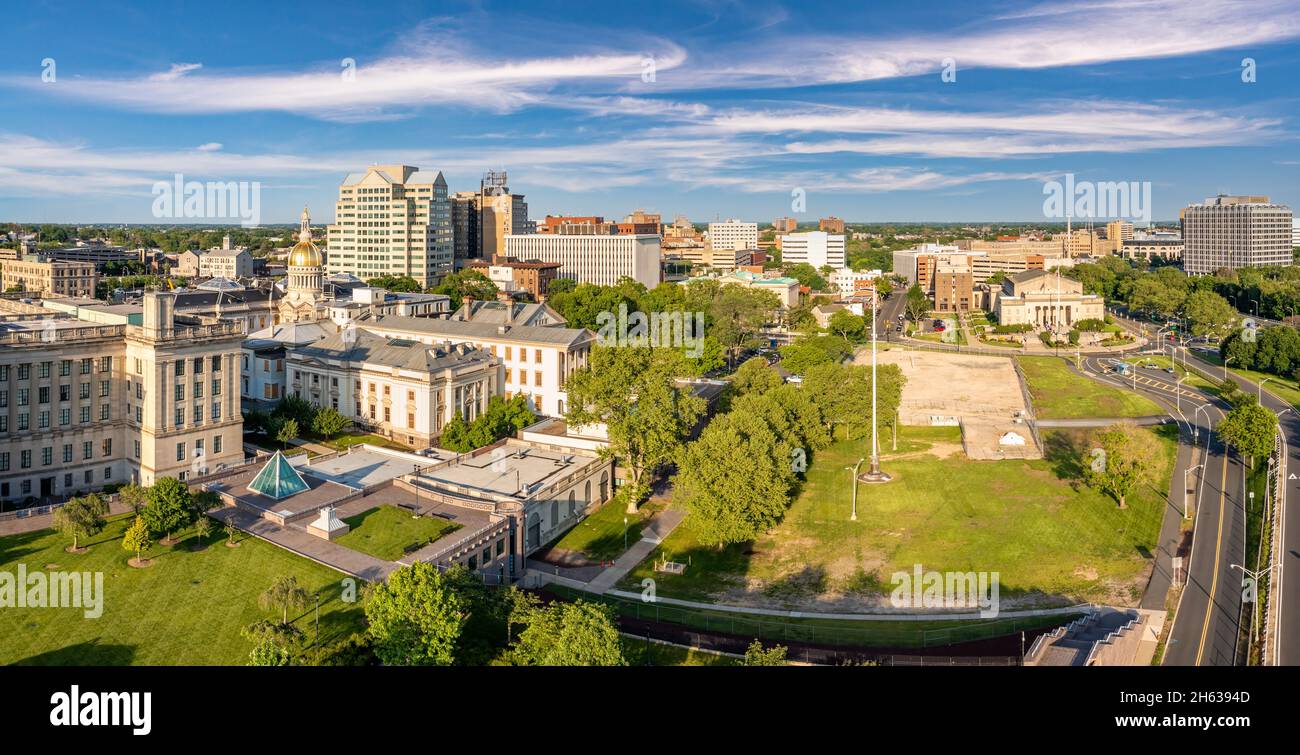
[982,392]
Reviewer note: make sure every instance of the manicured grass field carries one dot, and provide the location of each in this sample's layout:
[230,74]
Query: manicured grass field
[186,609]
[389,533]
[1050,537]
[344,442]
[1058,393]
[639,652]
[599,537]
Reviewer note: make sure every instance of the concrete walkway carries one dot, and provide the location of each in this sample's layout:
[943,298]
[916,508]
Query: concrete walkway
[45,521]
[321,551]
[654,533]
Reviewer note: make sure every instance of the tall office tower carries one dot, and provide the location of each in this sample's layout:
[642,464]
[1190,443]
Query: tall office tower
[464,227]
[733,235]
[501,214]
[817,248]
[1235,232]
[1117,232]
[392,220]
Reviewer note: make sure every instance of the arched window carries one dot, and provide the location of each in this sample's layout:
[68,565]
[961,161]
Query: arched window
[573,504]
[555,513]
[586,494]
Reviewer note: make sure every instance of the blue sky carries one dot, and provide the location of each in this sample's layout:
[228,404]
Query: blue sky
[747,102]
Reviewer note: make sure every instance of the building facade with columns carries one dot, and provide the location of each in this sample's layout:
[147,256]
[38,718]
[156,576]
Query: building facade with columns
[1045,300]
[397,387]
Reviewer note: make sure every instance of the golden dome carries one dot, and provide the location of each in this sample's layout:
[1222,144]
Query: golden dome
[305,253]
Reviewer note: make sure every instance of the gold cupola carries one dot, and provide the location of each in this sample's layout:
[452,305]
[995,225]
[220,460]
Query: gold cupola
[304,253]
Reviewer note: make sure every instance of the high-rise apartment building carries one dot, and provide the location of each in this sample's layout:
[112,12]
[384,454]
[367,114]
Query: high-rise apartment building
[392,220]
[733,235]
[602,260]
[1235,232]
[85,405]
[785,225]
[831,225]
[817,248]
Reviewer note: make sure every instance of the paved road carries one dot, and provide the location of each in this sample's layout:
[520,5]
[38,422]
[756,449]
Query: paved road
[1207,619]
[890,309]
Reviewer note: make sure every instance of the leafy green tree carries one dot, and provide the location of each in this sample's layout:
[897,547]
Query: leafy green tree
[455,435]
[287,431]
[203,527]
[917,305]
[415,617]
[633,393]
[734,481]
[843,394]
[756,655]
[398,283]
[1120,469]
[328,422]
[268,653]
[738,315]
[135,496]
[754,376]
[848,326]
[1251,429]
[469,283]
[170,507]
[581,633]
[81,517]
[807,275]
[1209,314]
[137,538]
[285,593]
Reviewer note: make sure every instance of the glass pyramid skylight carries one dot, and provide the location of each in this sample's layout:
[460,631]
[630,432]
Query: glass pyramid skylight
[278,479]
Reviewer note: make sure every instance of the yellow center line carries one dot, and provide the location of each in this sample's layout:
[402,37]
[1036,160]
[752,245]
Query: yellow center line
[1218,547]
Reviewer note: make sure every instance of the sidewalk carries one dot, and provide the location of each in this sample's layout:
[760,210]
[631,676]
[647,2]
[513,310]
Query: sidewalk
[45,521]
[660,527]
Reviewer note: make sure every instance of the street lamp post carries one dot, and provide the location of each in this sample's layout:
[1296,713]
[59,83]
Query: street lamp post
[1259,390]
[1255,575]
[1178,393]
[1225,367]
[854,469]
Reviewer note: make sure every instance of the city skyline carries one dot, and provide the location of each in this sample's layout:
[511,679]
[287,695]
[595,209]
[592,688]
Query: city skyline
[716,112]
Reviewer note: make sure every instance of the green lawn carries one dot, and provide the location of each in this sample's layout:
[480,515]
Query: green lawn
[1059,393]
[1048,535]
[1284,388]
[186,609]
[346,441]
[389,533]
[271,444]
[641,652]
[600,537]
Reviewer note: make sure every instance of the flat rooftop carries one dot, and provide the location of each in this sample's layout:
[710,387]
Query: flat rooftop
[510,473]
[364,466]
[319,493]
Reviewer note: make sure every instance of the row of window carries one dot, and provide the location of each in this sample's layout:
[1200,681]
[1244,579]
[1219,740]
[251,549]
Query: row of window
[43,418]
[44,392]
[47,454]
[25,486]
[44,369]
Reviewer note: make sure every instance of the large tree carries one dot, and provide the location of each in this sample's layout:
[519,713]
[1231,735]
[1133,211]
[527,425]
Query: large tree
[1123,461]
[416,617]
[1251,429]
[917,305]
[843,394]
[581,633]
[738,315]
[632,392]
[734,481]
[170,507]
[1209,314]
[81,517]
[283,594]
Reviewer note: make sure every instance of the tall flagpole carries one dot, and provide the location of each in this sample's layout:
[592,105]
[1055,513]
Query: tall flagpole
[874,474]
